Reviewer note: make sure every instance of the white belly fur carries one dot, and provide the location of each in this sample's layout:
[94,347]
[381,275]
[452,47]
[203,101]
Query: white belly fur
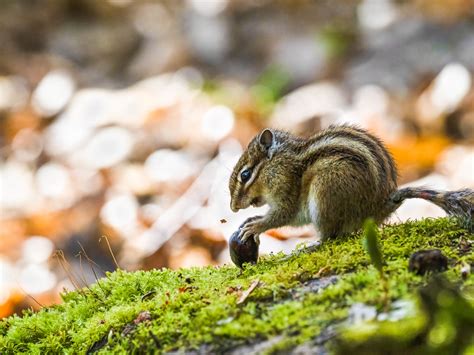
[313,211]
[308,213]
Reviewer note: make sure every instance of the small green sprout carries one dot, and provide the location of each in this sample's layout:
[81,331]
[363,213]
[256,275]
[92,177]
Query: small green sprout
[371,242]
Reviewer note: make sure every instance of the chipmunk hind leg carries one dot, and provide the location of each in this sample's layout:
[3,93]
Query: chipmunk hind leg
[343,200]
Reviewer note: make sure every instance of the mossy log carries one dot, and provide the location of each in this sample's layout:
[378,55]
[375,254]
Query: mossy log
[298,304]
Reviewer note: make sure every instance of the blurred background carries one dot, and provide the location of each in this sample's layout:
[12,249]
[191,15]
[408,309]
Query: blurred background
[124,118]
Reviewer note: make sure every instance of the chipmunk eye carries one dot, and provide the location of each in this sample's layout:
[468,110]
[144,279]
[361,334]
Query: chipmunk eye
[245,175]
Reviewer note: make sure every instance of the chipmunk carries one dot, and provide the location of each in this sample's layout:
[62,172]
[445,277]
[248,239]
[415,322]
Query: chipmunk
[335,180]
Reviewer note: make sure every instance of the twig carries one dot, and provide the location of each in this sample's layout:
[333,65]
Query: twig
[248,291]
[110,251]
[63,262]
[34,299]
[91,263]
[82,274]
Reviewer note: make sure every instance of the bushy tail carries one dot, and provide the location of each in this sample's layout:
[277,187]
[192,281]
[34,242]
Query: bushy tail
[459,203]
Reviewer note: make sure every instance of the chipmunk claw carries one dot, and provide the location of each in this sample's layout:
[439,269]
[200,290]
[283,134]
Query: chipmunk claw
[244,235]
[256,237]
[250,234]
[250,228]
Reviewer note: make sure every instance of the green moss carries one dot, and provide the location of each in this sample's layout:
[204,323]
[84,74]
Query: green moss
[197,307]
[443,324]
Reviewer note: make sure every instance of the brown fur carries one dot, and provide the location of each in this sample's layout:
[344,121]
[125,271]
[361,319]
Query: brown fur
[334,179]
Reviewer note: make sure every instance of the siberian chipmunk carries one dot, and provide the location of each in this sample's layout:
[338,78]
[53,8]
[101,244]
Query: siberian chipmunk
[334,180]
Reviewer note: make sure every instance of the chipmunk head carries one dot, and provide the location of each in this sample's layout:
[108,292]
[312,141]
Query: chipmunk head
[246,187]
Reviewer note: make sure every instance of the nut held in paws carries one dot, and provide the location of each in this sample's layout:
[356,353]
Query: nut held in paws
[242,252]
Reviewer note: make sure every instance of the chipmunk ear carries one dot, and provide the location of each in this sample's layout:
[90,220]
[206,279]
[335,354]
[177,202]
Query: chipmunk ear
[266,138]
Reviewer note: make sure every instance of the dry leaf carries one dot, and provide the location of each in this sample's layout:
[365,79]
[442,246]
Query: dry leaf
[247,292]
[323,271]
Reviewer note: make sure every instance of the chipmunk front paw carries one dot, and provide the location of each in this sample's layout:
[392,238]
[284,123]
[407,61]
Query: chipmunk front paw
[252,227]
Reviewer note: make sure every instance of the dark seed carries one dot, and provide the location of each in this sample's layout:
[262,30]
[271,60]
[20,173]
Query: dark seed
[425,261]
[242,252]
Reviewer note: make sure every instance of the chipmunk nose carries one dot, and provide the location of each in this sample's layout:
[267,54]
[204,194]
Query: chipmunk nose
[233,206]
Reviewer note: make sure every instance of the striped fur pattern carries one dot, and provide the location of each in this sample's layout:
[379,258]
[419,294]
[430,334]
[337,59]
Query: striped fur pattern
[334,179]
[458,203]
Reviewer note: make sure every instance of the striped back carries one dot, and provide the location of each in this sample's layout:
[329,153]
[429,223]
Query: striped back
[353,144]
